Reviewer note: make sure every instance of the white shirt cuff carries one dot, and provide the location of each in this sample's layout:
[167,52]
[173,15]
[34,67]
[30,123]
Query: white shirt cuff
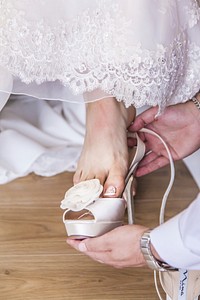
[167,241]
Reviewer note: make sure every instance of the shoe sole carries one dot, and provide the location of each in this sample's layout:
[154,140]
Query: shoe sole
[78,230]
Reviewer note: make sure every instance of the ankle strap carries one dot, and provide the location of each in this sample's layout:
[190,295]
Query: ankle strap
[166,194]
[139,154]
[172,176]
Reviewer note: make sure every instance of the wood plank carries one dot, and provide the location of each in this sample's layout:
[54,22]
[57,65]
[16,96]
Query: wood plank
[71,277]
[37,264]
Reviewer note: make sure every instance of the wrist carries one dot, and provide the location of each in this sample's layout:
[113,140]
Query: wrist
[155,253]
[153,260]
[195,106]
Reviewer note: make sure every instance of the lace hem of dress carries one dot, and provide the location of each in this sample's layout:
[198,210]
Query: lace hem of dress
[67,53]
[193,12]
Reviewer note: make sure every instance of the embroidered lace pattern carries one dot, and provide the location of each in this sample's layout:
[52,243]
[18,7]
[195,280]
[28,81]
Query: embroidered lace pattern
[84,60]
[193,12]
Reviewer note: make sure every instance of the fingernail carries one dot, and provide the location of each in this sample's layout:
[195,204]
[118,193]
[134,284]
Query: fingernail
[100,261]
[82,247]
[111,191]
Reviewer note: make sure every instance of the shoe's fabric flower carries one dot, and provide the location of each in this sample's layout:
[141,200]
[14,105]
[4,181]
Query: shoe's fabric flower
[82,194]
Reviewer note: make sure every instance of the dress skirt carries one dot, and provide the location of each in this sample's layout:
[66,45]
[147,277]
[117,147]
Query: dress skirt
[141,51]
[74,51]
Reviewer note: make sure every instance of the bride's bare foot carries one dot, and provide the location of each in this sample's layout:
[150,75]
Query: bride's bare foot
[105,152]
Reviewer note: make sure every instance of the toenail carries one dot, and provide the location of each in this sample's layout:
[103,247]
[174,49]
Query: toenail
[111,191]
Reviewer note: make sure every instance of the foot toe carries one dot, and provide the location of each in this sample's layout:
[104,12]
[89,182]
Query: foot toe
[114,185]
[77,176]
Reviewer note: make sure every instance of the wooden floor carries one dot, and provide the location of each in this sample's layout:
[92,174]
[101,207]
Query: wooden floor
[36,263]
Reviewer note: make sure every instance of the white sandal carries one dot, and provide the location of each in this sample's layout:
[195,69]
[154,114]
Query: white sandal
[88,215]
[105,214]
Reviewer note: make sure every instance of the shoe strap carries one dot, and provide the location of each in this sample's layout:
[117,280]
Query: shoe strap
[139,154]
[172,175]
[183,274]
[127,193]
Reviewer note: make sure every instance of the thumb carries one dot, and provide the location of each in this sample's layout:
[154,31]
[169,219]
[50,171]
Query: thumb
[143,119]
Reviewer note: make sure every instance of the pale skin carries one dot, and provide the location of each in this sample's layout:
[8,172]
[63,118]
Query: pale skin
[105,151]
[179,126]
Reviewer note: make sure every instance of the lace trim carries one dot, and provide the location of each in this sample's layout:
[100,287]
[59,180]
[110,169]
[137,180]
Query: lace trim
[68,52]
[193,12]
[189,83]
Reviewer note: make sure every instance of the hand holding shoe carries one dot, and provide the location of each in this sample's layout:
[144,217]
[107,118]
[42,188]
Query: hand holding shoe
[118,248]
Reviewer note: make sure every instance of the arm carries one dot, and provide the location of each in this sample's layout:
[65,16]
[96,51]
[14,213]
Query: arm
[121,247]
[179,126]
[183,232]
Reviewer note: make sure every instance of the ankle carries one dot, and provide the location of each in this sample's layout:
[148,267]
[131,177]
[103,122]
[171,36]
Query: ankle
[128,113]
[106,108]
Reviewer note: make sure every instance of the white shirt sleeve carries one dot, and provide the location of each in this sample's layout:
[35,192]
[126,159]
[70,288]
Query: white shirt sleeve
[177,241]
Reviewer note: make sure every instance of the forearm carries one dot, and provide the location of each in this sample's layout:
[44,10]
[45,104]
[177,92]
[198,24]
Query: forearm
[177,241]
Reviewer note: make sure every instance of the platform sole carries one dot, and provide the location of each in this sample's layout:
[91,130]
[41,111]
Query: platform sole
[82,230]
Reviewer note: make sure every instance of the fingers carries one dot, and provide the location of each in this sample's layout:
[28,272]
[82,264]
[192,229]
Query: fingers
[148,159]
[108,257]
[131,141]
[99,244]
[100,249]
[102,257]
[143,119]
[117,248]
[151,166]
[95,248]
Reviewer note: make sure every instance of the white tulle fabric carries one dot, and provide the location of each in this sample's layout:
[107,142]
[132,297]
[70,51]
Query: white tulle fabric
[141,52]
[44,137]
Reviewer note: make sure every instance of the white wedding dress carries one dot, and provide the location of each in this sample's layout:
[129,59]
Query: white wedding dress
[74,51]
